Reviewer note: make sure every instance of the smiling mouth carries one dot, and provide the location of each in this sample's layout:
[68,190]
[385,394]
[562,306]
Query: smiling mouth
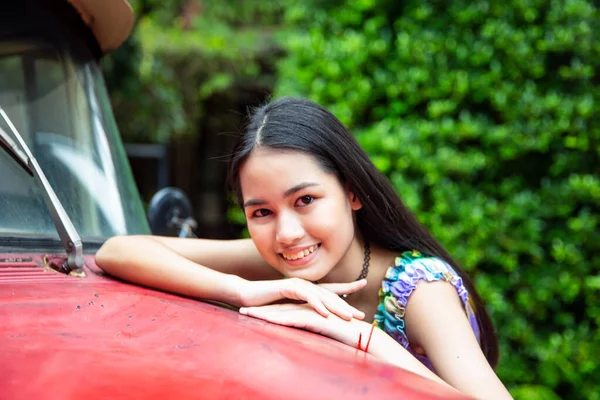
[301,254]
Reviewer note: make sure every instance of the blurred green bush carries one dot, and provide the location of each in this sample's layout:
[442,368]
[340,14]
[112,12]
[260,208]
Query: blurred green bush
[485,116]
[180,54]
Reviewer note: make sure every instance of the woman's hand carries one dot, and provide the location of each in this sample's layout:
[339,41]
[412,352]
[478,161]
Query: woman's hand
[303,316]
[323,298]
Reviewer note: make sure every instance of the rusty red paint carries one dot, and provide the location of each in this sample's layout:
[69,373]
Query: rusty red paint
[95,337]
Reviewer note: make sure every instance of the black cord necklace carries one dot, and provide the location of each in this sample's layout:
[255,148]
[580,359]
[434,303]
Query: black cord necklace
[365,268]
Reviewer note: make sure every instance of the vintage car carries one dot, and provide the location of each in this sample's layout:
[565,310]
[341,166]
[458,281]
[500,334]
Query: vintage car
[70,331]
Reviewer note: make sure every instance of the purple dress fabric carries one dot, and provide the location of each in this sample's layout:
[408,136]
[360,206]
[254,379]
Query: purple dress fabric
[399,283]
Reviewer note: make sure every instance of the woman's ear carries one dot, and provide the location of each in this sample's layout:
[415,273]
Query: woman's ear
[355,203]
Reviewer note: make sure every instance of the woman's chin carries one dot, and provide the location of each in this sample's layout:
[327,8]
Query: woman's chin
[308,274]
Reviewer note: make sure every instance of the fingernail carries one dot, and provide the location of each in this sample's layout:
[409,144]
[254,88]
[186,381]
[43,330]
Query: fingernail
[243,310]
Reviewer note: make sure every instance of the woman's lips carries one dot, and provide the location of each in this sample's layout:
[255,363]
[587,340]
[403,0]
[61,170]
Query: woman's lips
[304,258]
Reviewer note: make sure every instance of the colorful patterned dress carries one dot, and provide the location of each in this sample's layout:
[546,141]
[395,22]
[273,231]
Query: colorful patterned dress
[400,281]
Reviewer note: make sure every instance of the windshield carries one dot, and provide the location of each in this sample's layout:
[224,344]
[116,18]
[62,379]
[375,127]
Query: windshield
[61,108]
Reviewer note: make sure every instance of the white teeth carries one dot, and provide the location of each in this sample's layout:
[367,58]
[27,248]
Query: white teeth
[300,254]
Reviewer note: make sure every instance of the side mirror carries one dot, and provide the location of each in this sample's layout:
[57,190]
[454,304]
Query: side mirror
[170,214]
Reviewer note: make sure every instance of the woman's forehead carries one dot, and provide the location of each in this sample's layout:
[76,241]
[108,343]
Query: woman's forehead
[274,161]
[271,169]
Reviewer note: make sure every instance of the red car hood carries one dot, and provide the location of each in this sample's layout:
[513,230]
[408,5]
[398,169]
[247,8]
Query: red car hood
[91,337]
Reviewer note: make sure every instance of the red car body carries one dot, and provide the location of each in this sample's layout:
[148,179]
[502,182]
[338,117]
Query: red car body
[93,337]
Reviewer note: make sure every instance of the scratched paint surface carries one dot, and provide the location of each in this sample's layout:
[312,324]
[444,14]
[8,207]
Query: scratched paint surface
[94,337]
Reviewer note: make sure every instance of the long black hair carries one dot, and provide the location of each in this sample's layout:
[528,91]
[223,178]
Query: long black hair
[291,124]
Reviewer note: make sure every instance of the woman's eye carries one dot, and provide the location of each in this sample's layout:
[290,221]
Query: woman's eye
[261,212]
[304,201]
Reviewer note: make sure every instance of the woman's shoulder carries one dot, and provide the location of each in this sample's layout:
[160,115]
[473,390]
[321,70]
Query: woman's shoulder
[401,280]
[411,267]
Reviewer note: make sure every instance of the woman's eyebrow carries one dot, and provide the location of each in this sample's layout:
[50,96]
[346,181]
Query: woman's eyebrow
[250,203]
[287,193]
[299,187]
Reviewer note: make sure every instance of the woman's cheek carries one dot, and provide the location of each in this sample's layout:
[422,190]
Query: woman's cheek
[259,233]
[337,225]
[328,220]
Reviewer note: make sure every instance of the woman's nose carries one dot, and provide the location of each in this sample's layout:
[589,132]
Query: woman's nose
[289,229]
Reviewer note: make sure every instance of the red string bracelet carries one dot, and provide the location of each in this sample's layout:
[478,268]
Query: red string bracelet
[359,345]
[369,341]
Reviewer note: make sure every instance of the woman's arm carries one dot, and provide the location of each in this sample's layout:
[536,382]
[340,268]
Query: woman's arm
[168,265]
[437,323]
[178,266]
[445,334]
[381,344]
[237,257]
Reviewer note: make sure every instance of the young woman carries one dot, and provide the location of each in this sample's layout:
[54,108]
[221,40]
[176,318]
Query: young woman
[320,214]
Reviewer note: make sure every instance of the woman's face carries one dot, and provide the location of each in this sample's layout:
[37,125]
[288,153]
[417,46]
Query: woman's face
[300,218]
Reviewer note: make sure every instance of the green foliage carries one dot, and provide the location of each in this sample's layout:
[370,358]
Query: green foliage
[485,117]
[182,53]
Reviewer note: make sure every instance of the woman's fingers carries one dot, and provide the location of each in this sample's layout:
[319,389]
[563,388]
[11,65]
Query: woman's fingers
[323,300]
[317,303]
[344,288]
[341,308]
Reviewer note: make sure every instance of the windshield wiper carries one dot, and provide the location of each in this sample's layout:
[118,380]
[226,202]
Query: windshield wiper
[67,233]
[11,147]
